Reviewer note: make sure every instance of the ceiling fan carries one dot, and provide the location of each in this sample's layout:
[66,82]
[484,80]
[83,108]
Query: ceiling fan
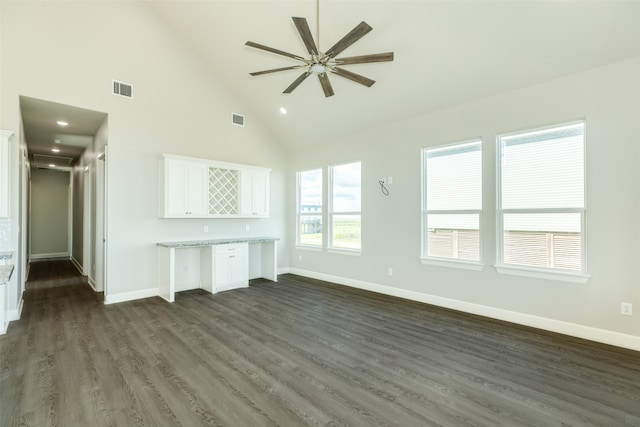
[323,63]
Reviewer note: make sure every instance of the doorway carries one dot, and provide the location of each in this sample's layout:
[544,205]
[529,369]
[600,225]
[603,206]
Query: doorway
[65,145]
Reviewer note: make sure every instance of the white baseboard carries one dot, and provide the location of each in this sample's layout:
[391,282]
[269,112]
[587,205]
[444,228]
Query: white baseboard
[53,255]
[283,270]
[77,265]
[13,315]
[618,339]
[92,283]
[129,296]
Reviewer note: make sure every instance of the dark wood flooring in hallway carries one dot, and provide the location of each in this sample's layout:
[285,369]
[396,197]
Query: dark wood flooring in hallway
[293,353]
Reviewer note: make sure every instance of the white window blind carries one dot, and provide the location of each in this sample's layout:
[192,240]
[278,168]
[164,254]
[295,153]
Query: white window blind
[345,206]
[310,208]
[452,201]
[541,205]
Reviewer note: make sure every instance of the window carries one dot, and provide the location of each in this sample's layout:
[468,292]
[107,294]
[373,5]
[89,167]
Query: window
[452,201]
[541,209]
[345,206]
[310,208]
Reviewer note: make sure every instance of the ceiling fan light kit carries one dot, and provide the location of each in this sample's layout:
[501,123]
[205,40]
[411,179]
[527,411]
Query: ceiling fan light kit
[321,64]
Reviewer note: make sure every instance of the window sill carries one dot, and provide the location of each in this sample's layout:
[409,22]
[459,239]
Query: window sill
[543,274]
[453,263]
[352,252]
[309,248]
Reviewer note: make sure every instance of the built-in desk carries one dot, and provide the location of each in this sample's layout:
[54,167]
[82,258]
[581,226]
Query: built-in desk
[167,262]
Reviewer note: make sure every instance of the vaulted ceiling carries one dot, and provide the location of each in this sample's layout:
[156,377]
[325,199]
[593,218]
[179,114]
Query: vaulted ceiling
[446,53]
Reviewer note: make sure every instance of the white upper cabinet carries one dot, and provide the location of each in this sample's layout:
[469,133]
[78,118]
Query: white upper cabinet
[185,189]
[255,193]
[200,188]
[4,173]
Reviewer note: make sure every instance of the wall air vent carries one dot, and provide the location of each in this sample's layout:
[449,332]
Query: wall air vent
[238,119]
[121,89]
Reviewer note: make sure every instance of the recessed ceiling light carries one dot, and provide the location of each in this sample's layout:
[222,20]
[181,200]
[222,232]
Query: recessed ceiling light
[55,150]
[51,165]
[62,123]
[283,110]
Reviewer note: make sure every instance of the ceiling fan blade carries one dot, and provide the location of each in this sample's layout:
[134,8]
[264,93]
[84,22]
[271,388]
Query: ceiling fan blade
[353,76]
[258,73]
[353,36]
[305,34]
[363,59]
[326,84]
[297,82]
[276,51]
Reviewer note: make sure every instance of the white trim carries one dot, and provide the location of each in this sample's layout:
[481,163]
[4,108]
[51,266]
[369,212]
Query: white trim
[92,283]
[309,248]
[563,276]
[352,252]
[52,255]
[13,315]
[618,339]
[452,263]
[129,296]
[77,265]
[284,270]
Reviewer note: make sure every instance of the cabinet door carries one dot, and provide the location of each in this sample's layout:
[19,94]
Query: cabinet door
[260,193]
[4,173]
[186,188]
[176,181]
[222,271]
[197,189]
[239,268]
[255,193]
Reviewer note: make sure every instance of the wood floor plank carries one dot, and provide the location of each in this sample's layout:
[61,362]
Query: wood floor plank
[293,353]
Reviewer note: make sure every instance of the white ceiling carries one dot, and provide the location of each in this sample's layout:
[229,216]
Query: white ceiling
[41,131]
[446,53]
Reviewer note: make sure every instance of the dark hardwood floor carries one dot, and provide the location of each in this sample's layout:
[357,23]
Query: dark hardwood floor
[297,352]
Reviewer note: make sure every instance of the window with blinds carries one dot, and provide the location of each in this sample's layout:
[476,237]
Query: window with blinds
[541,209]
[310,208]
[452,201]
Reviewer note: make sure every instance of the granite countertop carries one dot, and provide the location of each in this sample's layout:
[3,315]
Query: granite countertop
[5,273]
[212,242]
[6,254]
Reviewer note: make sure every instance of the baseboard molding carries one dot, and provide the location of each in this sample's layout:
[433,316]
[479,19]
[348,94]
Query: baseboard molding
[13,315]
[283,270]
[129,296]
[92,283]
[77,265]
[53,255]
[618,339]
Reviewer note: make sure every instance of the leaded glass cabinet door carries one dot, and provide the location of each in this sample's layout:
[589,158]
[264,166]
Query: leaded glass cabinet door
[224,191]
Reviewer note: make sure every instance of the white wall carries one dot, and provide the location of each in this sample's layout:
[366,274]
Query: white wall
[50,213]
[609,99]
[178,107]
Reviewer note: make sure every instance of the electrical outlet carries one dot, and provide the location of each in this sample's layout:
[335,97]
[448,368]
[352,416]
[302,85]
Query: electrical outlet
[247,228]
[390,180]
[626,308]
[206,228]
[299,257]
[390,271]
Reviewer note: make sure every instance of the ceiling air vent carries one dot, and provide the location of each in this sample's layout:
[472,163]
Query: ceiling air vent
[55,160]
[238,119]
[122,89]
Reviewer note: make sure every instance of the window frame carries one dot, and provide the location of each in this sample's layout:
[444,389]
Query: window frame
[427,259]
[300,214]
[550,273]
[331,213]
